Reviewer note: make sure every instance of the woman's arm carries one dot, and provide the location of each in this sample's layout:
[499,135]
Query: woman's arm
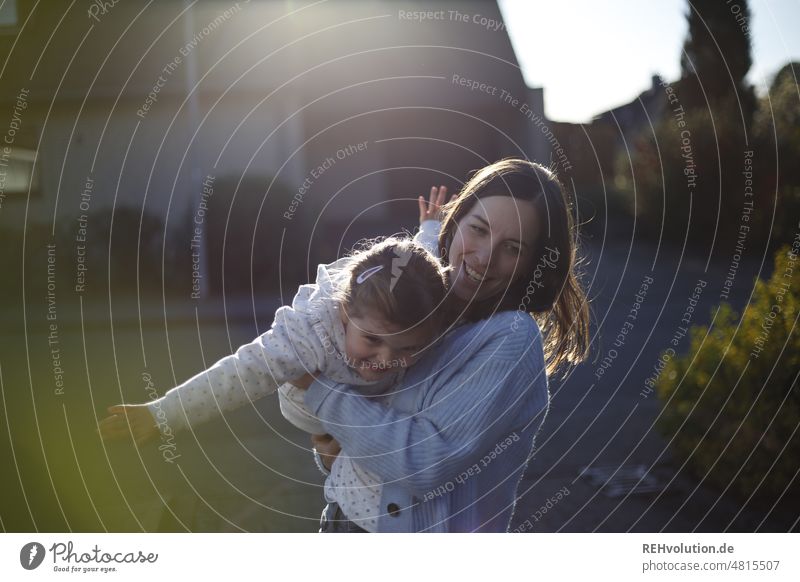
[472,400]
[430,217]
[428,236]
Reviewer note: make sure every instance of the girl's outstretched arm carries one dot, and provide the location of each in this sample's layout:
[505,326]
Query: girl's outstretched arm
[290,349]
[287,351]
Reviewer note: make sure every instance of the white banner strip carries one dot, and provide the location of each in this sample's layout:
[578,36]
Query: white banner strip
[618,557]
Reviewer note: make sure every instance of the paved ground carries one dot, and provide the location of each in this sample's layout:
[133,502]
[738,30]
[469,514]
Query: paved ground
[606,424]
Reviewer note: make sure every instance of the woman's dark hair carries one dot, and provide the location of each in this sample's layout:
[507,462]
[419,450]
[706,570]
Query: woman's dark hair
[551,293]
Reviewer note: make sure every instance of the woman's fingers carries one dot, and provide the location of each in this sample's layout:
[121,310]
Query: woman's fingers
[326,444]
[327,447]
[440,198]
[426,207]
[318,439]
[423,209]
[430,210]
[432,198]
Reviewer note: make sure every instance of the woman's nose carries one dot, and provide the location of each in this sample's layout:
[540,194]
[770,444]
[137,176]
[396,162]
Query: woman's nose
[484,256]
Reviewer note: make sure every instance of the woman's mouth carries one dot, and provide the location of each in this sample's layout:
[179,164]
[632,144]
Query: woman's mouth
[473,275]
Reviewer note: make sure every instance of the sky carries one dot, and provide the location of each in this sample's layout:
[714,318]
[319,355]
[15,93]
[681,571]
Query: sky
[592,56]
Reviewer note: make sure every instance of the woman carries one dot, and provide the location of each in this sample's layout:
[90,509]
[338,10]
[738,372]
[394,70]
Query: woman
[456,435]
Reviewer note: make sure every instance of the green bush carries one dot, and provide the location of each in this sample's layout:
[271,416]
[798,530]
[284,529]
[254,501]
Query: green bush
[732,404]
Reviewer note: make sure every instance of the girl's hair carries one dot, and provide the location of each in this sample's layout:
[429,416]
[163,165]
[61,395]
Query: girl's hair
[397,280]
[552,294]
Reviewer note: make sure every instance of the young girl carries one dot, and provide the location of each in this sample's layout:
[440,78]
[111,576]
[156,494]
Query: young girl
[368,317]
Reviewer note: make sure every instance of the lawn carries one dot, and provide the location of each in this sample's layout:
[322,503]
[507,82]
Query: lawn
[250,470]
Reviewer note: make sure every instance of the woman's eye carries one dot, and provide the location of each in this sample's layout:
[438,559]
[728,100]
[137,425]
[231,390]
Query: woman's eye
[372,340]
[477,229]
[513,249]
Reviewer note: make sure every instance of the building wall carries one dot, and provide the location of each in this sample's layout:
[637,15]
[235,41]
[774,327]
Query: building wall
[353,108]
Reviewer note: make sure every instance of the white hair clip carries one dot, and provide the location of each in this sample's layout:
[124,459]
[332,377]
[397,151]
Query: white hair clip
[367,274]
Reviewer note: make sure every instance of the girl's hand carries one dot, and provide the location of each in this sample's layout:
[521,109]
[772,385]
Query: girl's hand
[327,447]
[127,419]
[431,210]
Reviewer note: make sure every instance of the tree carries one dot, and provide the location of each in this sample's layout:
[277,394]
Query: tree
[716,57]
[776,128]
[692,172]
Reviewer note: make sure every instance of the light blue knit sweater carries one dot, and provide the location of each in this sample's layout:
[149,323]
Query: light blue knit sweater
[455,440]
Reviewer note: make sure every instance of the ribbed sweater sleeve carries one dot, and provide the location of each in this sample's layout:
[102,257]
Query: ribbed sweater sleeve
[471,400]
[428,236]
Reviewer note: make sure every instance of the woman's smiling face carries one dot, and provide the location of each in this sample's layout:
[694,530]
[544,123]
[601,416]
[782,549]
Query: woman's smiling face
[492,246]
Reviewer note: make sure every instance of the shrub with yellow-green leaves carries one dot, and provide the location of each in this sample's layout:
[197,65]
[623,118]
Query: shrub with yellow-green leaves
[732,404]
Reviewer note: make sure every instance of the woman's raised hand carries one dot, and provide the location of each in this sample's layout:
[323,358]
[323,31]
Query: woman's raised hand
[125,420]
[431,210]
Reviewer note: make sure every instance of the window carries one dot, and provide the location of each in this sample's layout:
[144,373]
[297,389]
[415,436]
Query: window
[18,174]
[8,15]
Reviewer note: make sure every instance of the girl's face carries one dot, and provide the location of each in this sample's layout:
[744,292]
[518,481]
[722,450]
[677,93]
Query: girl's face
[492,247]
[374,348]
